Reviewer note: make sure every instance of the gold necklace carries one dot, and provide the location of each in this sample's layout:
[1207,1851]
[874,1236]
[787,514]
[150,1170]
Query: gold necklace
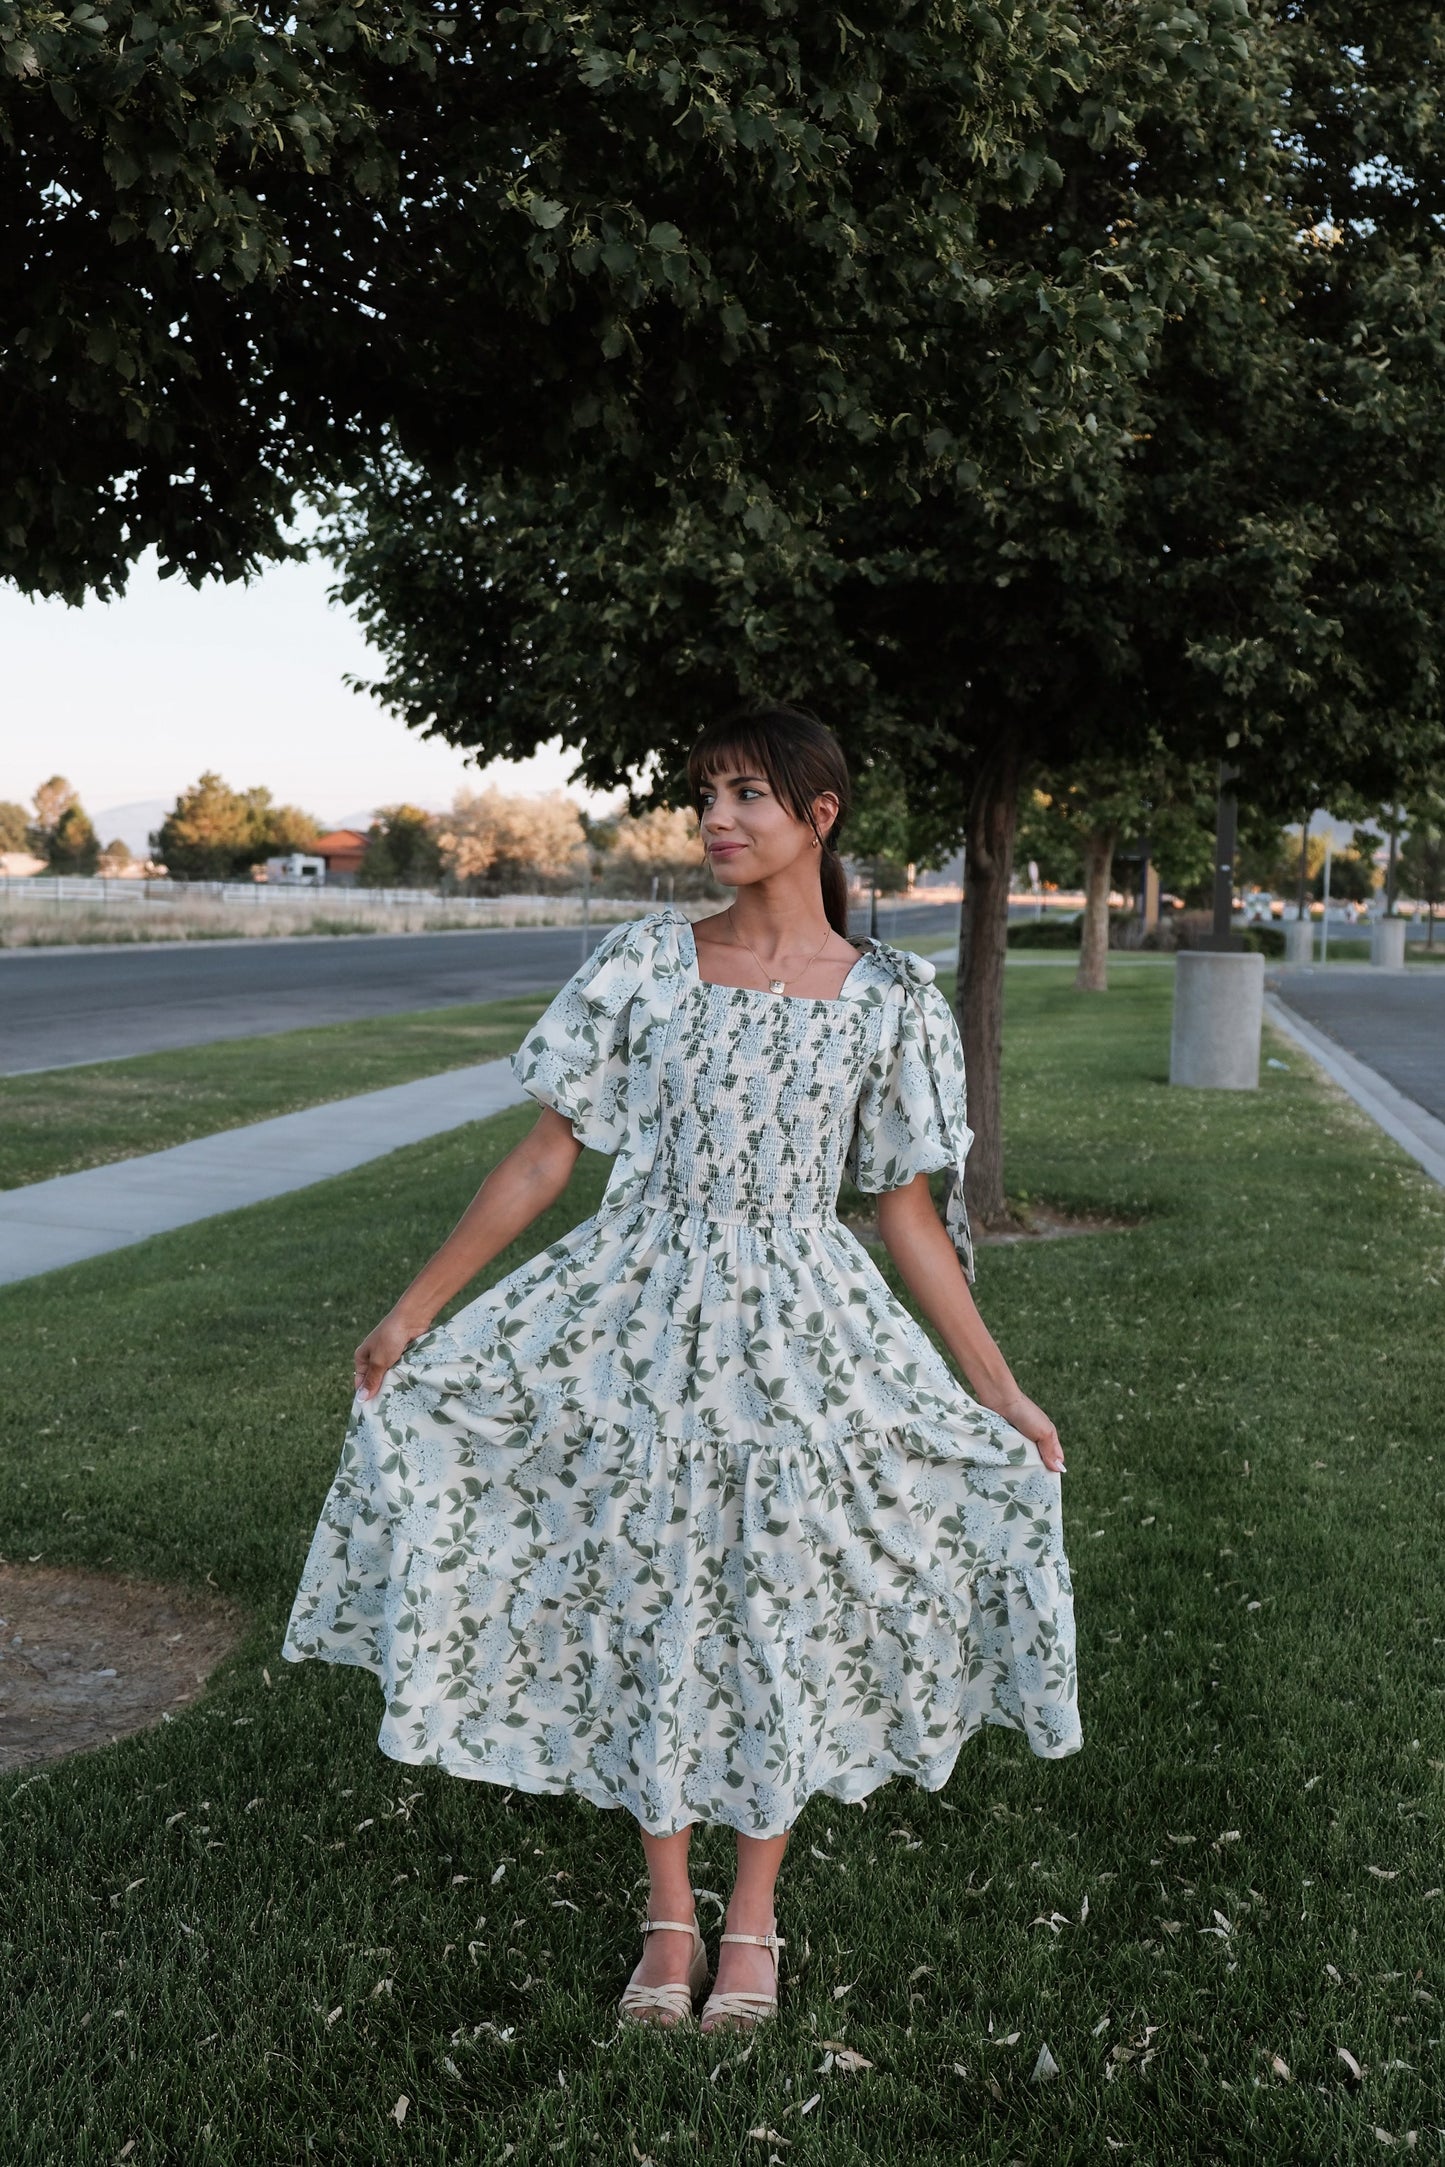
[775,985]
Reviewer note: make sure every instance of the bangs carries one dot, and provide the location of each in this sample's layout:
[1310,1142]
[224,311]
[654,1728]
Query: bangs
[734,743]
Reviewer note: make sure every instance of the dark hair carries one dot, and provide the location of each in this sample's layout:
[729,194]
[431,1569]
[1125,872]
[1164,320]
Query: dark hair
[801,758]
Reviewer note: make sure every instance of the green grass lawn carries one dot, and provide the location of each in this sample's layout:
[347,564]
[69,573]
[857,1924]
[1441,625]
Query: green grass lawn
[245,1936]
[59,1120]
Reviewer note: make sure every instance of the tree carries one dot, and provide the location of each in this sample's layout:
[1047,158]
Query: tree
[251,247]
[960,608]
[52,801]
[61,832]
[74,845]
[1422,860]
[493,839]
[1352,877]
[658,845]
[1098,804]
[215,833]
[1223,532]
[116,855]
[14,826]
[401,849]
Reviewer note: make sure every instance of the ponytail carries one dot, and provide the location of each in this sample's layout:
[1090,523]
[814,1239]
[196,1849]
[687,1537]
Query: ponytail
[835,889]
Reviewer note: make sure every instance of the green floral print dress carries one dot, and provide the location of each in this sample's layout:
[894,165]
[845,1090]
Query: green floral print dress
[687,1514]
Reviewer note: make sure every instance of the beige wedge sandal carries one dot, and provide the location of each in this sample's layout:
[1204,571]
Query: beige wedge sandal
[742,2011]
[667,2006]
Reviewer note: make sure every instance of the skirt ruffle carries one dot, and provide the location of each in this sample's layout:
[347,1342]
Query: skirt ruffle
[569,1575]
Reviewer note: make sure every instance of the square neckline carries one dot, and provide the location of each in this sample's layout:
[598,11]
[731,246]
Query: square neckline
[818,1000]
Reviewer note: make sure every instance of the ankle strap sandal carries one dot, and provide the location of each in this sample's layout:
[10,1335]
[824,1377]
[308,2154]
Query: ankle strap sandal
[667,2006]
[741,2010]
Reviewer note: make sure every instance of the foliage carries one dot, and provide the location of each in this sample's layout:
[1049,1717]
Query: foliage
[1353,877]
[1052,931]
[983,580]
[1271,859]
[74,847]
[116,855]
[52,801]
[252,244]
[491,841]
[401,849]
[175,1411]
[60,831]
[14,826]
[215,833]
[651,854]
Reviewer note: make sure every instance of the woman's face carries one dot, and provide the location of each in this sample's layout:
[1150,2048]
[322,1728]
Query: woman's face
[747,830]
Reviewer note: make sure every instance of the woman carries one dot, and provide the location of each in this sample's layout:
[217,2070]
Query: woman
[687,1514]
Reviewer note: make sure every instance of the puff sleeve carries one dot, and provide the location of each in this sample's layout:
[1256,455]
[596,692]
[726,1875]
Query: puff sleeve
[576,1056]
[911,1116]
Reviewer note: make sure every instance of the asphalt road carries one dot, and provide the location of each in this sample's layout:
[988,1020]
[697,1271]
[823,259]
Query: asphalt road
[103,1003]
[1393,1021]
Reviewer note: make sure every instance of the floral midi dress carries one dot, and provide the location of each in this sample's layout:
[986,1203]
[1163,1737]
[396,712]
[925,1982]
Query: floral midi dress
[687,1514]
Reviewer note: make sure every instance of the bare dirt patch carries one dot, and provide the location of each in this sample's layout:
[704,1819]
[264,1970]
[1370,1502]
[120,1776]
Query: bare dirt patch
[86,1659]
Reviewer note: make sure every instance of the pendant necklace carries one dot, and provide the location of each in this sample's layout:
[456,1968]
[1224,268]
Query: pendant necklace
[775,985]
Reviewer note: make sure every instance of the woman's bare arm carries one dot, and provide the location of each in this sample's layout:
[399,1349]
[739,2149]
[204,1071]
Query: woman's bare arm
[928,1265]
[518,1190]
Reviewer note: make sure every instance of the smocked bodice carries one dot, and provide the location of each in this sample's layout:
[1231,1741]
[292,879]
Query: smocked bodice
[758,1098]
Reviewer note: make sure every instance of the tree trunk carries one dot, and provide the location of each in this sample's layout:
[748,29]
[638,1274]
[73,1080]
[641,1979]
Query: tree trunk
[1093,971]
[993,813]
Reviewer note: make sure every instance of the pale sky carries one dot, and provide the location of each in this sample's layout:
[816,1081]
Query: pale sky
[131,700]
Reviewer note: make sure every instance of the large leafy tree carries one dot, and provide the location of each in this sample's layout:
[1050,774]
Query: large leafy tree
[960,605]
[243,249]
[1215,531]
[213,832]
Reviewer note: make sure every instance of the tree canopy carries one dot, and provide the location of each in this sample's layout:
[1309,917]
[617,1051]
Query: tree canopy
[1193,512]
[249,249]
[215,833]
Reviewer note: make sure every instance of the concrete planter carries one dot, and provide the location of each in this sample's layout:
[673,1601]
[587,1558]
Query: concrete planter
[1218,1012]
[1387,944]
[1299,941]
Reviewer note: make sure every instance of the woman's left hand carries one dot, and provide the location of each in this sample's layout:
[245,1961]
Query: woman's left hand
[1016,1407]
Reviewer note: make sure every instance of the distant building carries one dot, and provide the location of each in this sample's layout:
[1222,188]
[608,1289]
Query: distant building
[343,850]
[298,868]
[20,865]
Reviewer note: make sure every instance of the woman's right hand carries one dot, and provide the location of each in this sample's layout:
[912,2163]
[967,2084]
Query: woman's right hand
[380,1348]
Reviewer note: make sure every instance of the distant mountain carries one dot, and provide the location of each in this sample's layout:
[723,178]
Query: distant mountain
[132,823]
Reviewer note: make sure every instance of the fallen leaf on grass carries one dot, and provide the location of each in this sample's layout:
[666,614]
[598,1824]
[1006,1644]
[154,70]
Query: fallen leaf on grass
[1382,1873]
[840,1991]
[768,2136]
[1280,2067]
[1045,2067]
[846,2059]
[398,2112]
[1356,2073]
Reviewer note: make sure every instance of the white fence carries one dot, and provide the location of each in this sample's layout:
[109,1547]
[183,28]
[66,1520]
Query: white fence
[40,889]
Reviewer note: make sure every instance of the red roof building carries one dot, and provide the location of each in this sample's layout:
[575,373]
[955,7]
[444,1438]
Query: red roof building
[343,849]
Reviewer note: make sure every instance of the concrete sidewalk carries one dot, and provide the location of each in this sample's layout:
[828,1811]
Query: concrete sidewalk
[51,1223]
